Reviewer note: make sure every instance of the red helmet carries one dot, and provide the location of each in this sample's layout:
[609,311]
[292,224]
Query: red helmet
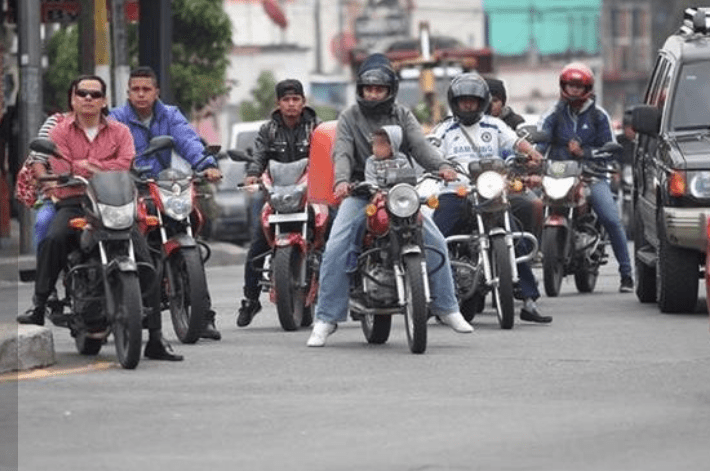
[578,74]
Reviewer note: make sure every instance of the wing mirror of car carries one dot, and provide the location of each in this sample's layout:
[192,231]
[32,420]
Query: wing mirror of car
[646,119]
[159,143]
[238,155]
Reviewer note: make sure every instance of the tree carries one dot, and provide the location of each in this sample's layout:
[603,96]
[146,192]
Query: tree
[264,98]
[63,59]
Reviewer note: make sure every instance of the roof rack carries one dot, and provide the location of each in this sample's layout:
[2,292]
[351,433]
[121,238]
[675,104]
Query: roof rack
[696,20]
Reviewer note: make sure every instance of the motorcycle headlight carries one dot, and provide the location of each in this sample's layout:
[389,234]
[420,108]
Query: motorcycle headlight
[178,206]
[557,188]
[403,200]
[118,217]
[288,200]
[699,184]
[490,184]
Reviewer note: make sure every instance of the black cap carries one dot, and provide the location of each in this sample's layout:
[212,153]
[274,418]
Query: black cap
[289,87]
[497,89]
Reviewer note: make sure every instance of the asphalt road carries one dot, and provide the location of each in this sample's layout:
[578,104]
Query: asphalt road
[611,384]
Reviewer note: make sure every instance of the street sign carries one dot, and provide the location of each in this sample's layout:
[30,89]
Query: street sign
[67,11]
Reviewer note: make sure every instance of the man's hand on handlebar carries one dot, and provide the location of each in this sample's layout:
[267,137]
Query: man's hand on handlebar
[448,174]
[342,190]
[213,175]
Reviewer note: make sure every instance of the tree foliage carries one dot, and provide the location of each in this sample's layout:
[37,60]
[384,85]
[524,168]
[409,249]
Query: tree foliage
[264,94]
[63,60]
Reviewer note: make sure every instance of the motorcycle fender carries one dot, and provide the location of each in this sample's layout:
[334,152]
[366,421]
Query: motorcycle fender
[122,264]
[178,241]
[411,249]
[292,238]
[557,220]
[497,231]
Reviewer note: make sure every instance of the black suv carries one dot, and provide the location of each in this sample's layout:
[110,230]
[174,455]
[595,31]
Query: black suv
[671,195]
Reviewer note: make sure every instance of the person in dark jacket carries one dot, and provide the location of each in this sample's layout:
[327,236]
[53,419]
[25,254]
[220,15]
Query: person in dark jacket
[576,126]
[147,116]
[498,107]
[286,137]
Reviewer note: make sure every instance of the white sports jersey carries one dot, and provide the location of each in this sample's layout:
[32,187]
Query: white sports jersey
[491,137]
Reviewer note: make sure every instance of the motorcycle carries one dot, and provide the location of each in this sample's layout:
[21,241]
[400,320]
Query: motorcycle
[179,258]
[101,278]
[573,239]
[295,230]
[483,256]
[390,275]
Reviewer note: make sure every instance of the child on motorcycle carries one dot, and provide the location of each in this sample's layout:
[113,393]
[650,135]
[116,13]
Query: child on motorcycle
[385,155]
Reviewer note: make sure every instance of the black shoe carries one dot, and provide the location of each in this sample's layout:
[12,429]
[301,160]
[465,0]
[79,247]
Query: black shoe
[627,284]
[161,350]
[211,331]
[247,312]
[33,315]
[534,316]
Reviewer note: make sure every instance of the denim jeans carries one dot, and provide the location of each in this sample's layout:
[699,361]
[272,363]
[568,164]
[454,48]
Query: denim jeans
[449,215]
[43,218]
[608,212]
[345,236]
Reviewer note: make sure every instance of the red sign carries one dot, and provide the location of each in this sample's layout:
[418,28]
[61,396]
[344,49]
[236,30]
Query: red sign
[63,11]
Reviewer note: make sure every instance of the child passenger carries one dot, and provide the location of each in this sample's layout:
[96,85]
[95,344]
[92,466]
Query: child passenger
[385,155]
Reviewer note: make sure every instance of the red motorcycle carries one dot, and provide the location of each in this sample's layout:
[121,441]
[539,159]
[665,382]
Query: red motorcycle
[295,230]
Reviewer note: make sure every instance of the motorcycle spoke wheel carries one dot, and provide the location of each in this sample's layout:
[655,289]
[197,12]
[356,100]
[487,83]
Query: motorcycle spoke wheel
[188,300]
[290,295]
[376,328]
[503,293]
[127,320]
[416,307]
[552,260]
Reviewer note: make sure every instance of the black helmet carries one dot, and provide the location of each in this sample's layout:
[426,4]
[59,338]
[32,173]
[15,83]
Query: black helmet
[468,85]
[377,70]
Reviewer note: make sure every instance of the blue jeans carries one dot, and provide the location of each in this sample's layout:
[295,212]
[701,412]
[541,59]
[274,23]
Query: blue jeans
[608,212]
[449,216]
[345,238]
[43,219]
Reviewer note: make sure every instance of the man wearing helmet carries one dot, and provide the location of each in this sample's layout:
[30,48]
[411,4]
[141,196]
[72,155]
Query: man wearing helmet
[576,126]
[471,135]
[377,85]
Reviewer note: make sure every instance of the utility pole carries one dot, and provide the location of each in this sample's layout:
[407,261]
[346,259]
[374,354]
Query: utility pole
[103,46]
[155,34]
[87,38]
[120,51]
[30,99]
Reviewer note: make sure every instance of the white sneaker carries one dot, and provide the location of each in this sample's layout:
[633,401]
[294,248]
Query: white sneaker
[321,331]
[456,321]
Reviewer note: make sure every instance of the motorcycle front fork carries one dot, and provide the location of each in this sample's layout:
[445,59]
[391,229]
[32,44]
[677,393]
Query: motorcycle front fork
[484,239]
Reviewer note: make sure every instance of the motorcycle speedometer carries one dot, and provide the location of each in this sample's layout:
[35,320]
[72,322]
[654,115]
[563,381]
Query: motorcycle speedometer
[490,184]
[118,217]
[403,200]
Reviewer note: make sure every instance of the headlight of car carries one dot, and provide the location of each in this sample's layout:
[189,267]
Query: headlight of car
[118,217]
[288,199]
[177,205]
[557,188]
[699,184]
[403,200]
[490,184]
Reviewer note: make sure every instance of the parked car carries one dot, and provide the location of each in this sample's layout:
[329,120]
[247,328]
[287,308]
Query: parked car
[671,194]
[233,206]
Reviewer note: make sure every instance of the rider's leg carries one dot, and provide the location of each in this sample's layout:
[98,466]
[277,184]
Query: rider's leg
[604,205]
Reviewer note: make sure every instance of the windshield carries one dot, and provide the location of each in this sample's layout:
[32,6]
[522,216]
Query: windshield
[691,109]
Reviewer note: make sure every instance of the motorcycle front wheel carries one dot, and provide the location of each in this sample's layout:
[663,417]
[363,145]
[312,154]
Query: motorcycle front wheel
[188,299]
[286,267]
[552,260]
[127,318]
[503,291]
[376,328]
[416,309]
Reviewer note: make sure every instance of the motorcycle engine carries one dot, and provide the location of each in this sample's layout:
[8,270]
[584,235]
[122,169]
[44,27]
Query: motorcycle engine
[380,286]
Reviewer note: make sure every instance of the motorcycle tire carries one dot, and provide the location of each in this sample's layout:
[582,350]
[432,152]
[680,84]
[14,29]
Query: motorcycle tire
[472,306]
[86,345]
[376,328]
[127,318]
[416,309]
[502,269]
[286,266]
[188,300]
[552,261]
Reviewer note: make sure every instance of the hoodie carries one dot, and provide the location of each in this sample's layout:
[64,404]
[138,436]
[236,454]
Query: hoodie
[376,169]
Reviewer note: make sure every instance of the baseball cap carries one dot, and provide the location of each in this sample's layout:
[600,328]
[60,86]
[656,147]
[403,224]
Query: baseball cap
[289,87]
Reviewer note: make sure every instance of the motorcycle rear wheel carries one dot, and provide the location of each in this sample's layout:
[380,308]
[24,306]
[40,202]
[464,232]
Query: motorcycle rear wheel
[416,308]
[290,295]
[552,261]
[127,318]
[188,300]
[503,293]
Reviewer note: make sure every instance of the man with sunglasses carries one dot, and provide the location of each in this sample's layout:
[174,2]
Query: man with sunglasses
[147,116]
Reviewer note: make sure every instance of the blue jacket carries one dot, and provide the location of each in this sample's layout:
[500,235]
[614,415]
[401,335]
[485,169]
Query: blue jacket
[591,127]
[167,120]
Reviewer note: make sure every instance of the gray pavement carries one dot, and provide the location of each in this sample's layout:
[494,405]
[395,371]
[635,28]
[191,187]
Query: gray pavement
[24,347]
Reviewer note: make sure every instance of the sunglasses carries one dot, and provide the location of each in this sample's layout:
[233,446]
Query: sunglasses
[95,94]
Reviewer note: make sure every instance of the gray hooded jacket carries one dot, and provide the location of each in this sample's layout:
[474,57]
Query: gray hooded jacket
[376,169]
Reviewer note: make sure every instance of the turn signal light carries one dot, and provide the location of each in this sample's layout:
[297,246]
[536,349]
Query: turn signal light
[433,202]
[370,210]
[461,191]
[677,184]
[152,221]
[516,185]
[78,223]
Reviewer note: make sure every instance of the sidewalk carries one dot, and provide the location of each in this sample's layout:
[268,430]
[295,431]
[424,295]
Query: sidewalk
[24,347]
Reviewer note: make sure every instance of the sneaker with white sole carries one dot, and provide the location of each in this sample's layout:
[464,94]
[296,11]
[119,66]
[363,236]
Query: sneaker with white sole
[321,331]
[456,321]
